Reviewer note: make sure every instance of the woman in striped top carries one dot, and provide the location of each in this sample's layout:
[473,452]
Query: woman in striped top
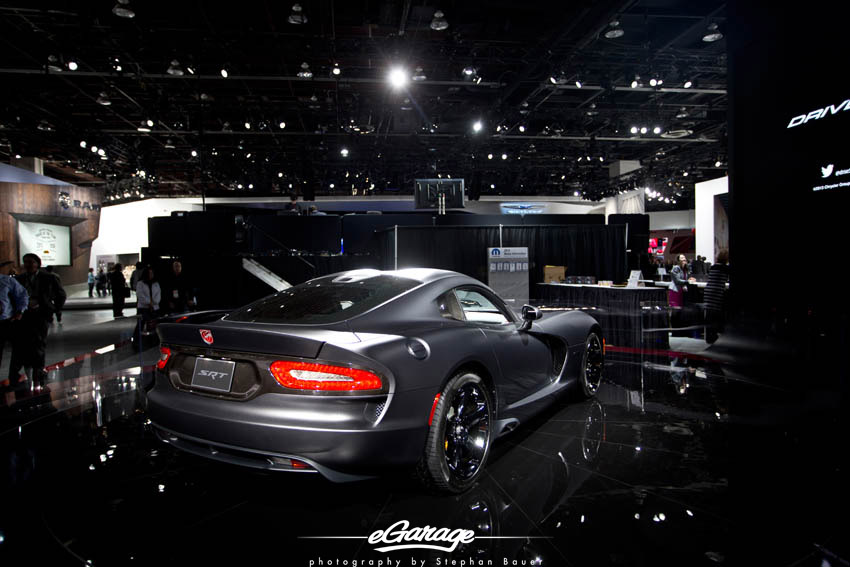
[715,292]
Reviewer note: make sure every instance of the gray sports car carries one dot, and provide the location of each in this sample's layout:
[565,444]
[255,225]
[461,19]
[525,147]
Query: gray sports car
[354,373]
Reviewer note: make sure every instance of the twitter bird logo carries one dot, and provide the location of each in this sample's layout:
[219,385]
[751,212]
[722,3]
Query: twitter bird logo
[827,171]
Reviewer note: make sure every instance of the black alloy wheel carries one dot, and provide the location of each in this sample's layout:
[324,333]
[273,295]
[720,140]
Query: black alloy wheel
[459,439]
[592,365]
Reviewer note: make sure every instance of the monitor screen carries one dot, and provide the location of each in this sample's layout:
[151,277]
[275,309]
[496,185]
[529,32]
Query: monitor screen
[50,242]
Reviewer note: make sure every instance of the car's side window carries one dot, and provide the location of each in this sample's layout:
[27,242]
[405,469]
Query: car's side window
[449,306]
[479,308]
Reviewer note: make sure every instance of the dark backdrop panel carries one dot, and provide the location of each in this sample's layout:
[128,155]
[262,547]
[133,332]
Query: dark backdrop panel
[638,236]
[213,232]
[359,231]
[586,250]
[477,220]
[308,233]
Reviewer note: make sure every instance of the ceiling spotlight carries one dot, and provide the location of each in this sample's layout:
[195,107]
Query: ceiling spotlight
[477,126]
[247,125]
[521,128]
[489,156]
[194,153]
[578,83]
[656,130]
[635,84]
[336,71]
[174,69]
[101,152]
[169,144]
[343,152]
[72,66]
[504,156]
[643,130]
[558,79]
[297,16]
[144,127]
[224,72]
[190,70]
[439,22]
[397,77]
[282,125]
[94,149]
[83,144]
[653,82]
[614,30]
[634,130]
[149,122]
[103,99]
[685,173]
[688,84]
[419,75]
[122,9]
[305,72]
[492,186]
[718,163]
[683,113]
[601,158]
[712,33]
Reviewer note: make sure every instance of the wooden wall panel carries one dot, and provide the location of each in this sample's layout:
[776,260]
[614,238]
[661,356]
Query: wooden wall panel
[82,207]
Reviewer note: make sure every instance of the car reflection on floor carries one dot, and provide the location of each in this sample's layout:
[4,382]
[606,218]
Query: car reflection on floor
[639,475]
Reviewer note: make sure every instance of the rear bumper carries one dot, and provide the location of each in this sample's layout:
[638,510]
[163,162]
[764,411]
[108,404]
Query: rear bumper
[343,438]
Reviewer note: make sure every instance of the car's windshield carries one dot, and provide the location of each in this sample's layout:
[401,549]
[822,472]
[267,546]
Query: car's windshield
[324,300]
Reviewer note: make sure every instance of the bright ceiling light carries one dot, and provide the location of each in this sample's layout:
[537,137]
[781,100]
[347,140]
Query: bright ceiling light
[280,174]
[94,149]
[644,130]
[656,130]
[224,72]
[194,153]
[150,123]
[247,125]
[82,143]
[504,156]
[521,128]
[144,127]
[336,71]
[712,33]
[614,30]
[578,84]
[297,16]
[477,126]
[122,9]
[343,152]
[397,77]
[282,125]
[103,99]
[688,84]
[489,156]
[419,75]
[72,66]
[101,152]
[468,71]
[174,68]
[305,72]
[685,173]
[634,130]
[653,82]
[718,163]
[439,22]
[492,186]
[635,84]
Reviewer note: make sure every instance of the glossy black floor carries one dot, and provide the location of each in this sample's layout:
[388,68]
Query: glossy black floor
[678,461]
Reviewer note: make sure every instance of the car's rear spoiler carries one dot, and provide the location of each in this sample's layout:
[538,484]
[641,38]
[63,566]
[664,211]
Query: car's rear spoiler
[243,338]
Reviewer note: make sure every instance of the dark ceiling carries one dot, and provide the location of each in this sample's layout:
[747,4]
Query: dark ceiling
[217,134]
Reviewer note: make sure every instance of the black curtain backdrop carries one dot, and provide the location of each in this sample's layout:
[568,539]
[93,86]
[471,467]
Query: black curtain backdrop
[586,250]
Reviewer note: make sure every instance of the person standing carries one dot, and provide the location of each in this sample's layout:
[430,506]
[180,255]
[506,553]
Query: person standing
[100,281]
[46,297]
[120,291]
[179,295]
[91,281]
[148,295]
[49,270]
[678,282]
[715,291]
[136,275]
[13,303]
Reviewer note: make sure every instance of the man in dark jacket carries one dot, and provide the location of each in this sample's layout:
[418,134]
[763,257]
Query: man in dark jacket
[46,297]
[177,295]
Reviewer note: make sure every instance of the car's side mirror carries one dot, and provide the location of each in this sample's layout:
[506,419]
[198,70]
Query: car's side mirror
[529,314]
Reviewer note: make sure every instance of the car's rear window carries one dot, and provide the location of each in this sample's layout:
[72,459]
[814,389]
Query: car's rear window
[324,300]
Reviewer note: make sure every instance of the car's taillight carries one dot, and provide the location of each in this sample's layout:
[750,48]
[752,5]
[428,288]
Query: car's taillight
[164,355]
[323,377]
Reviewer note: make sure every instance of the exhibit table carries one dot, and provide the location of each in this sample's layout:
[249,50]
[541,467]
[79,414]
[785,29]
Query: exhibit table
[625,313]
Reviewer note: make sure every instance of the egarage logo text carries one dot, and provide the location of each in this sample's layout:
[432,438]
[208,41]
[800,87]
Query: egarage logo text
[400,536]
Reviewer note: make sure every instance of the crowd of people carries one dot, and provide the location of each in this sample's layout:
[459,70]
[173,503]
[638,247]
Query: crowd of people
[31,299]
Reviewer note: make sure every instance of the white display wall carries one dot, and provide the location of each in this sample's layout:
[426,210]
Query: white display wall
[704,198]
[124,228]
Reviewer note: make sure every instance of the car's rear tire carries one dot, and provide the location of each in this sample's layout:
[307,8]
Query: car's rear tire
[460,435]
[592,365]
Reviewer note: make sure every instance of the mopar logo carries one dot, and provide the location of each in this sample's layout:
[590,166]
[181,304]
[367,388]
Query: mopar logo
[212,374]
[496,252]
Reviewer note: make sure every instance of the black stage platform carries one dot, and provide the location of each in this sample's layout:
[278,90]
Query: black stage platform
[679,461]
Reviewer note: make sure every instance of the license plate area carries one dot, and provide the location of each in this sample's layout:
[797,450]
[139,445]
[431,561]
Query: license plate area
[213,374]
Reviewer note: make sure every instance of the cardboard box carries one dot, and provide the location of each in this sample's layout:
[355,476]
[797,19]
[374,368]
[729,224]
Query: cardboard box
[553,274]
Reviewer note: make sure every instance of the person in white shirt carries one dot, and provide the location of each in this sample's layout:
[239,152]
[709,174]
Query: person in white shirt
[148,295]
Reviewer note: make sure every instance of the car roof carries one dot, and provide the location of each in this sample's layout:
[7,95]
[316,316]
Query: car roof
[422,275]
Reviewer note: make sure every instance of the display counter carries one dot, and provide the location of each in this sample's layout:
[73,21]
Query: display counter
[623,312]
